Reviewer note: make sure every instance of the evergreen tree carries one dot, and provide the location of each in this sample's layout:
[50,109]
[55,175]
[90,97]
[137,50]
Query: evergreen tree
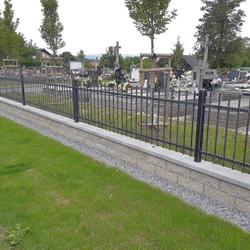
[9,39]
[177,58]
[80,55]
[222,21]
[150,17]
[51,28]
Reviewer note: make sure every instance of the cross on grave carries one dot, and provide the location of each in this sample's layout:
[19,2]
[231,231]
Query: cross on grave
[116,49]
[203,64]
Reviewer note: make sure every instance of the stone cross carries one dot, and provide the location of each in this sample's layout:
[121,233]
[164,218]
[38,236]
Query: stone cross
[116,49]
[132,65]
[206,50]
[203,64]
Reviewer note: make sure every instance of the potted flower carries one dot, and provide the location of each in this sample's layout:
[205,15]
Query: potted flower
[111,84]
[124,87]
[87,82]
[216,84]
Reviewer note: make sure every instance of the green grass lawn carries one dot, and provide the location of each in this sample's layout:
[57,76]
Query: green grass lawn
[53,197]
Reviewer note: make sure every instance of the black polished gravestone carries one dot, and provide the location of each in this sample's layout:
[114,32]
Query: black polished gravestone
[207,84]
[242,75]
[93,75]
[162,79]
[119,77]
[233,74]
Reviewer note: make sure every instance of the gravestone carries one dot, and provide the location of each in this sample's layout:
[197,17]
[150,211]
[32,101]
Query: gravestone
[219,74]
[242,75]
[233,74]
[93,75]
[119,77]
[178,73]
[162,79]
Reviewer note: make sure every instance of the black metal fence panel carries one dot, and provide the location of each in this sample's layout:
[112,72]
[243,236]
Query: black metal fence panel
[193,123]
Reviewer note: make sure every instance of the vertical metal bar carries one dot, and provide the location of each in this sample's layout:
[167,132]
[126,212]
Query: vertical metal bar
[200,125]
[136,110]
[217,129]
[236,131]
[108,121]
[226,129]
[171,119]
[164,119]
[23,92]
[177,121]
[208,123]
[246,139]
[75,100]
[131,111]
[185,122]
[192,126]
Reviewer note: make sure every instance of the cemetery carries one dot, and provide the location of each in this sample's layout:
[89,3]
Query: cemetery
[157,83]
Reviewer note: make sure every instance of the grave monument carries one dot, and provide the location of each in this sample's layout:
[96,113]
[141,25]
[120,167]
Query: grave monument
[116,49]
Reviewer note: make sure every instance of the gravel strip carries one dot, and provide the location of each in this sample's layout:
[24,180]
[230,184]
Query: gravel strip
[207,204]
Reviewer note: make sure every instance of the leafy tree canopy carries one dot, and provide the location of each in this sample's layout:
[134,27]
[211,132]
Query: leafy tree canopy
[151,17]
[9,39]
[222,21]
[51,27]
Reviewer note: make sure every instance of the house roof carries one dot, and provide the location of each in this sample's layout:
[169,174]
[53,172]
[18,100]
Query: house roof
[191,60]
[46,52]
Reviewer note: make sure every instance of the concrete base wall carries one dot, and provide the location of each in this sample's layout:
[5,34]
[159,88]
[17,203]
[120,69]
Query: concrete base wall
[230,187]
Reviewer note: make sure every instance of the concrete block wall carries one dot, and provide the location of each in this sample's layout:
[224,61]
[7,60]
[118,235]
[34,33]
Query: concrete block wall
[228,186]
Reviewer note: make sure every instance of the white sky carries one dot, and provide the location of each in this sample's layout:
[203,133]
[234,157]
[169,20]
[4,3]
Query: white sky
[95,25]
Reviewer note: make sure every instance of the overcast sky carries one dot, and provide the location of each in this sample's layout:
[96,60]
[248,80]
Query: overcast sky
[95,25]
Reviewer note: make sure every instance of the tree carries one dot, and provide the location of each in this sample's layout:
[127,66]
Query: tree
[150,17]
[246,41]
[222,21]
[127,61]
[177,59]
[9,39]
[108,59]
[30,54]
[67,56]
[51,28]
[80,55]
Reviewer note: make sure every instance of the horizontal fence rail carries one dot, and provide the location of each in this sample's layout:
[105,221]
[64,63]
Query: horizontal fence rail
[183,120]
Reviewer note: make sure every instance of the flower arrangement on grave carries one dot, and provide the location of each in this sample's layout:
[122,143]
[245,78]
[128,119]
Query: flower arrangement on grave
[173,81]
[189,84]
[216,83]
[124,87]
[224,73]
[80,80]
[87,82]
[111,84]
[99,79]
[156,82]
[183,77]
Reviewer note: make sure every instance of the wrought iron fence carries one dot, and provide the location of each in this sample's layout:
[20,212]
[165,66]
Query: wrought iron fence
[186,121]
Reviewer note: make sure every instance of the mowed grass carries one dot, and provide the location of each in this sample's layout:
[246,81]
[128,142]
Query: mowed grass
[70,201]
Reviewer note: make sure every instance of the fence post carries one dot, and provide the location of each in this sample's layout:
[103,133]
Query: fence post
[200,125]
[22,89]
[75,99]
